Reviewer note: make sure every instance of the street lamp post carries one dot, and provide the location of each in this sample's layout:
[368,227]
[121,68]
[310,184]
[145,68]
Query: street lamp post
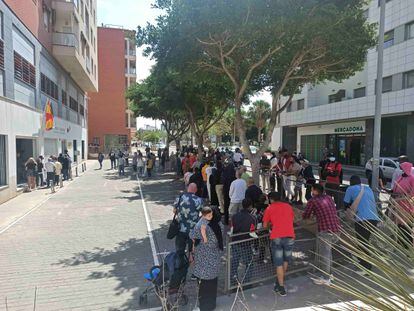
[378,99]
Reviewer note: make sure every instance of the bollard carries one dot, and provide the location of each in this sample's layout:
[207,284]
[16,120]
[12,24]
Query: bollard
[60,181]
[76,171]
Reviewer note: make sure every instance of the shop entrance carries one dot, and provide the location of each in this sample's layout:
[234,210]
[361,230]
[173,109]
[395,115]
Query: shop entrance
[24,150]
[351,149]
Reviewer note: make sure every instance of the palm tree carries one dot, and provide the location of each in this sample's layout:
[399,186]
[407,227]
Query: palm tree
[260,114]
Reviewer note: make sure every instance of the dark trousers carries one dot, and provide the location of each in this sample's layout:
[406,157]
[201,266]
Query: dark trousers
[363,230]
[113,164]
[226,189]
[100,164]
[39,179]
[280,186]
[149,170]
[50,178]
[207,294]
[241,252]
[272,182]
[333,191]
[182,240]
[65,172]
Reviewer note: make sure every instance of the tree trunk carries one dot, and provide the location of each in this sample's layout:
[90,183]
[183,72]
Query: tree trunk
[259,133]
[255,165]
[200,141]
[178,144]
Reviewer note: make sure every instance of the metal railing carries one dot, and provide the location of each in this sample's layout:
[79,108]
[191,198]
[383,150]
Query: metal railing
[65,39]
[249,260]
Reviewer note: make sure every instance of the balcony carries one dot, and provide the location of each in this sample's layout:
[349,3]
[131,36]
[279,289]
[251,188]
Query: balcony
[67,51]
[131,72]
[65,8]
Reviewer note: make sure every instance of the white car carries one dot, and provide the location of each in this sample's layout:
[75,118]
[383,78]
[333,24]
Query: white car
[387,165]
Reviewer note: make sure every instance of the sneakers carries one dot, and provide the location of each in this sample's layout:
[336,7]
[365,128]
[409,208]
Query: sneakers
[279,290]
[282,291]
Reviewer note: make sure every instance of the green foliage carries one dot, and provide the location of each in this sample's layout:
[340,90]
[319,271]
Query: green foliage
[152,136]
[259,115]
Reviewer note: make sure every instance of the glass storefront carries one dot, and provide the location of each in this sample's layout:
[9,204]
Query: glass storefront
[348,148]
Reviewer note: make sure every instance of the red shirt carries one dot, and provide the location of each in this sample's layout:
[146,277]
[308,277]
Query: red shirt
[281,216]
[333,167]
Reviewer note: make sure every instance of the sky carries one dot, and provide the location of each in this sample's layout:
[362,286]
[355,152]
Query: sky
[129,14]
[132,13]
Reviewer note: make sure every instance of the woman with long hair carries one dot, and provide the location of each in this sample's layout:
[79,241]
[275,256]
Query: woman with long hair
[31,172]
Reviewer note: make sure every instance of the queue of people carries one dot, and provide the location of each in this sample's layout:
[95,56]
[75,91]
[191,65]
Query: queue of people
[49,172]
[221,180]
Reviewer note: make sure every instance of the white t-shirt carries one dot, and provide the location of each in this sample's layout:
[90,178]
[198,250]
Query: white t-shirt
[237,191]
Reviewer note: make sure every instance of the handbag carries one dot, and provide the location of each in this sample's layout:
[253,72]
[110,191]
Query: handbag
[174,228]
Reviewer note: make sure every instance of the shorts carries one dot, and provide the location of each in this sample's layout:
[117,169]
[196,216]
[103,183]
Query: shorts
[282,250]
[30,173]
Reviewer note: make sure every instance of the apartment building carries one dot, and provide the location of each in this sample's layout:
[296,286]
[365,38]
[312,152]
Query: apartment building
[339,117]
[47,55]
[111,123]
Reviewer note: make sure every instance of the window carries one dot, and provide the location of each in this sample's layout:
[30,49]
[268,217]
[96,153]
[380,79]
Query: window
[387,84]
[73,104]
[96,141]
[47,18]
[389,163]
[409,31]
[289,107]
[408,79]
[360,92]
[386,1]
[337,97]
[301,104]
[64,98]
[389,39]
[81,110]
[23,70]
[123,139]
[3,161]
[48,87]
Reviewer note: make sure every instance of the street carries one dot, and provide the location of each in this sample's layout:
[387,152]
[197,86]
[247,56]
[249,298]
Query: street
[85,248]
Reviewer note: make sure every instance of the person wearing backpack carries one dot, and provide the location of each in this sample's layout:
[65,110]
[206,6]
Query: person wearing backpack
[360,201]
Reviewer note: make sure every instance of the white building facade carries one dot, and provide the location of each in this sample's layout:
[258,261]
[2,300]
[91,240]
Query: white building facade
[338,117]
[32,75]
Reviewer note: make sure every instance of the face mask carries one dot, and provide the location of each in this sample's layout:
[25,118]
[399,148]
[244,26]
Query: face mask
[332,159]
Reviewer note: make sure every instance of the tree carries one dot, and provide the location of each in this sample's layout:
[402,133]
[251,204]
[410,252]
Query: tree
[153,98]
[260,112]
[152,136]
[263,45]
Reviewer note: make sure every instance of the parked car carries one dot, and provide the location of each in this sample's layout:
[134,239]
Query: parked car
[387,164]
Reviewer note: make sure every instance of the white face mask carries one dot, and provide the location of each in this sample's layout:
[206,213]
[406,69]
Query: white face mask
[332,159]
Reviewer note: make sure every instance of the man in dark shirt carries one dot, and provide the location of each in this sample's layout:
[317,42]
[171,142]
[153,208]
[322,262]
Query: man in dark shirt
[253,192]
[242,222]
[265,173]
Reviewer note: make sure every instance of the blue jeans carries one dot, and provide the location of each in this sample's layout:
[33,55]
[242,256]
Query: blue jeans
[282,250]
[241,252]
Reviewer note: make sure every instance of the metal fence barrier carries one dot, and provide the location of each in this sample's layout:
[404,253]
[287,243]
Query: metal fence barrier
[249,260]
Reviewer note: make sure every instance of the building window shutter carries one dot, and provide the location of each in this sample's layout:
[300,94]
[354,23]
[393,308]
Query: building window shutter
[1,54]
[23,70]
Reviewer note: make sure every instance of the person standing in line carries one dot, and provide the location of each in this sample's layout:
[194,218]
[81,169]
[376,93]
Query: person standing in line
[243,173]
[253,192]
[31,171]
[226,179]
[140,164]
[265,173]
[404,189]
[112,157]
[273,164]
[150,164]
[187,207]
[309,178]
[50,171]
[121,165]
[321,169]
[243,221]
[333,172]
[360,199]
[68,162]
[219,186]
[208,240]
[135,163]
[40,167]
[58,172]
[398,172]
[238,157]
[101,157]
[237,194]
[197,178]
[323,207]
[279,217]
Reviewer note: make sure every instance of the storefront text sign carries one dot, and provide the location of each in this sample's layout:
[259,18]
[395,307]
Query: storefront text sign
[350,129]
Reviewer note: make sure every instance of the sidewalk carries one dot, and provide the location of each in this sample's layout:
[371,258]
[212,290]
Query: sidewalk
[27,202]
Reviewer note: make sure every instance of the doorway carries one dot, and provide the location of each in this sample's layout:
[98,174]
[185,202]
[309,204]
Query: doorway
[24,150]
